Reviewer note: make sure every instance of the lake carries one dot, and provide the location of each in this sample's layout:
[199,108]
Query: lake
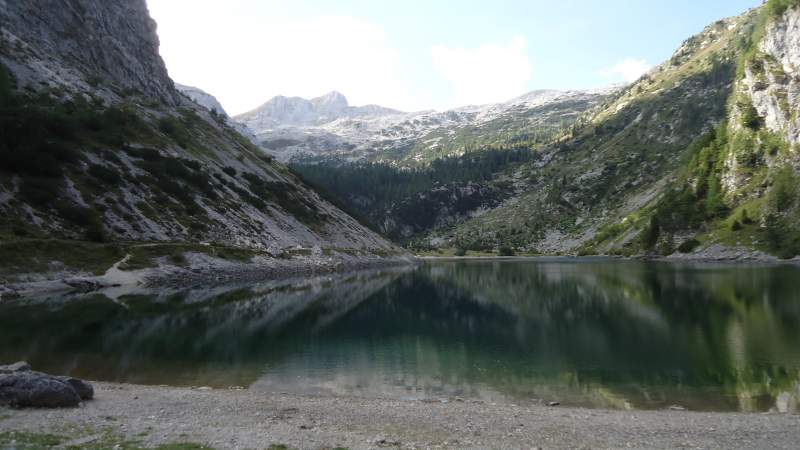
[583,332]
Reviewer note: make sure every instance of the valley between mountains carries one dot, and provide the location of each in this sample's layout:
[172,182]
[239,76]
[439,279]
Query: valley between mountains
[315,274]
[108,167]
[697,158]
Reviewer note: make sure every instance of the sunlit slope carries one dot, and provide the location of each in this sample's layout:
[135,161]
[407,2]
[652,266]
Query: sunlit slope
[693,143]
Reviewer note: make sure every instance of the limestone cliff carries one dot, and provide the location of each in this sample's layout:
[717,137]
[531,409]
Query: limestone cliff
[81,43]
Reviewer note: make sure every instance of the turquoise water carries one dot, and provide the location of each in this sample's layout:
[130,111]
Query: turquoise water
[589,332]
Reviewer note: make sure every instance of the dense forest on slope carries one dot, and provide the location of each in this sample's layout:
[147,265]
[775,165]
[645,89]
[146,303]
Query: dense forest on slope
[402,202]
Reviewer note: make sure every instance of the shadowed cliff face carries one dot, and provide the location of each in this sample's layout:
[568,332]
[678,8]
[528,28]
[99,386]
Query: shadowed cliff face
[115,40]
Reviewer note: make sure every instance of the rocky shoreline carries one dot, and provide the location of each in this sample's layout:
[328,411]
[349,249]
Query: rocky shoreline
[716,254]
[238,418]
[721,253]
[203,270]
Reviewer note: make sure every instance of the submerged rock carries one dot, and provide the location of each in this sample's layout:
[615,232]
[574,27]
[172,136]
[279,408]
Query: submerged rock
[21,387]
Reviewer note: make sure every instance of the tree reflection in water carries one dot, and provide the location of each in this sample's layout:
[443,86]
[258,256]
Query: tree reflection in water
[605,333]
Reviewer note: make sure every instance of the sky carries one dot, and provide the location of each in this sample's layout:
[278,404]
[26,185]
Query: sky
[416,55]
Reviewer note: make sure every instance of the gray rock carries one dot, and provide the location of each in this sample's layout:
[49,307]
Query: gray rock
[20,366]
[777,99]
[21,387]
[84,390]
[38,390]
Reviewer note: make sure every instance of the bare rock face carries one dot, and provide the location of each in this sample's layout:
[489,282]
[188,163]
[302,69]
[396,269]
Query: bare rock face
[20,387]
[84,390]
[110,41]
[774,84]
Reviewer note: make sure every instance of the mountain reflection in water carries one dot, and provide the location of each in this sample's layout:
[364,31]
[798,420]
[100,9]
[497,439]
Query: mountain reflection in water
[588,332]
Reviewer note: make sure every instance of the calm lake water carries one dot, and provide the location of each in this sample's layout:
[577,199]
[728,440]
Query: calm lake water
[597,333]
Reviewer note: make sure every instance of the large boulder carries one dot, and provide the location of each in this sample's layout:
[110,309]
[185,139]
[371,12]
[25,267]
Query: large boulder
[84,390]
[21,387]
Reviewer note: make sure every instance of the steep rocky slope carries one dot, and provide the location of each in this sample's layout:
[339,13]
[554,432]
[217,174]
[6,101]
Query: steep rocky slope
[202,98]
[98,145]
[619,157]
[696,157]
[212,105]
[71,43]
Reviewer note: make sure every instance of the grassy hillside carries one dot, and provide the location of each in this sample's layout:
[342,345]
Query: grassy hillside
[739,187]
[618,159]
[702,151]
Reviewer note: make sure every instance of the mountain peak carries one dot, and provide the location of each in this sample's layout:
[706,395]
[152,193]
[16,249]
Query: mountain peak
[201,97]
[333,101]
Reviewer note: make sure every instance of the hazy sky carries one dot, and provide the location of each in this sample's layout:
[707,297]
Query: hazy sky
[419,54]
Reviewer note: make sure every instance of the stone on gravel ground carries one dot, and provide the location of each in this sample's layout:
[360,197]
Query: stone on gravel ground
[20,387]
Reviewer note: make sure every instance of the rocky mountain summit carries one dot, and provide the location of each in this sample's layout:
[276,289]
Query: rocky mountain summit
[294,129]
[282,112]
[202,98]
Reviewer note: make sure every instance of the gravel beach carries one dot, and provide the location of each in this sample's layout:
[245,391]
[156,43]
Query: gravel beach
[240,419]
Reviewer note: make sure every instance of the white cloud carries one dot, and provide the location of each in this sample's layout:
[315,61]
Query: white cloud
[244,59]
[490,73]
[629,69]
